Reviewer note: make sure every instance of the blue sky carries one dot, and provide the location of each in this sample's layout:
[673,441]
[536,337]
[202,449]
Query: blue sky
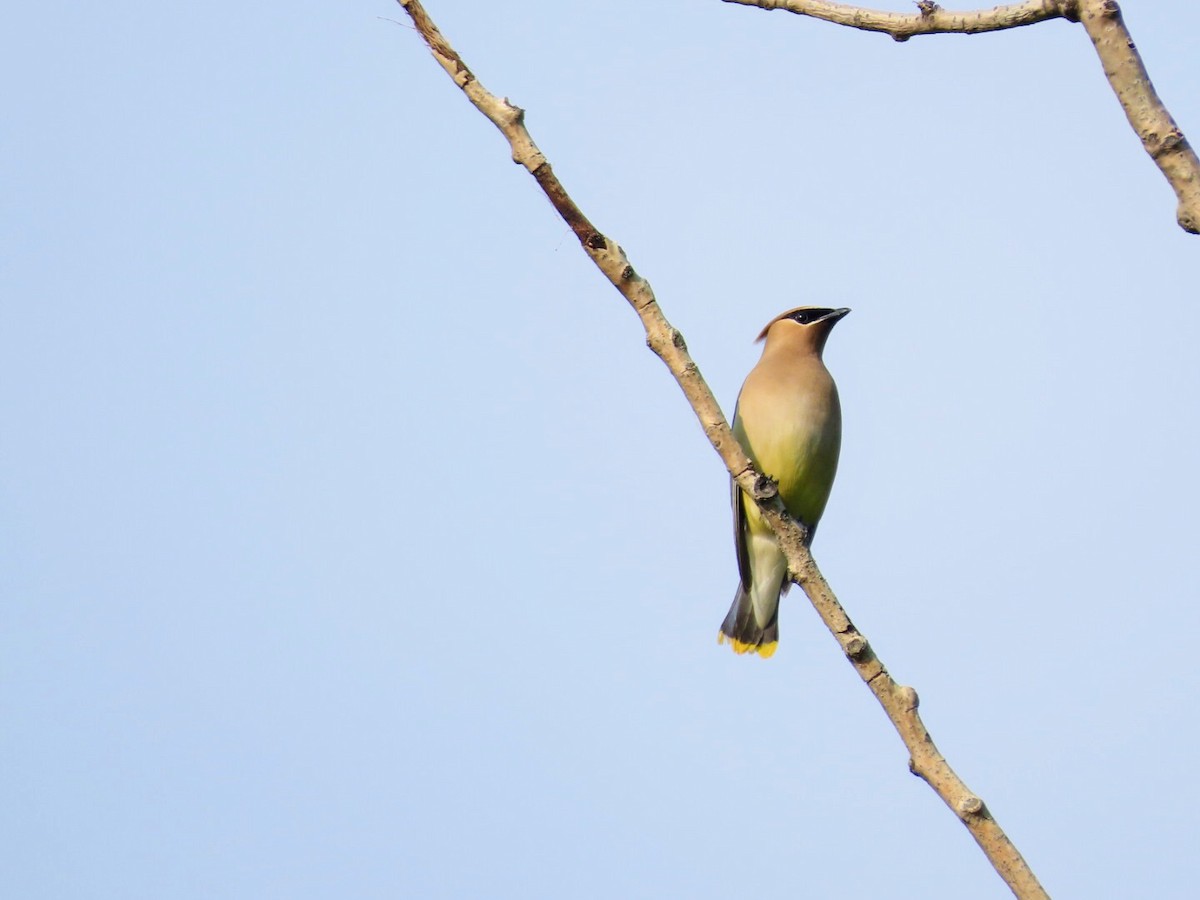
[354,545]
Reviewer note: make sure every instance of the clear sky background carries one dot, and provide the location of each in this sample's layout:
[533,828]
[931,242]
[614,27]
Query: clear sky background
[353,545]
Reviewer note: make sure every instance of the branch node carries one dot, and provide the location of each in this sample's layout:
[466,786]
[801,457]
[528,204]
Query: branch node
[1188,220]
[1167,143]
[628,274]
[1110,9]
[908,696]
[596,241]
[856,646]
[516,115]
[970,806]
[677,339]
[927,8]
[765,487]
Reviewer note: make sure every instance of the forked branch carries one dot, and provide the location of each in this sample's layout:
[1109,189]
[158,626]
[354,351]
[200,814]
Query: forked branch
[1102,19]
[898,701]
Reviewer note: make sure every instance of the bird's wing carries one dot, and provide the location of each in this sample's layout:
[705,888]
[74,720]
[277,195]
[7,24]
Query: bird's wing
[739,533]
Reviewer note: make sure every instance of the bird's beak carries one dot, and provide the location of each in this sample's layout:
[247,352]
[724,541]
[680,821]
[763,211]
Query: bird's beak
[836,314]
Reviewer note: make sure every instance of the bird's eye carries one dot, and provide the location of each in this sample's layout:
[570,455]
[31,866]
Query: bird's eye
[808,316]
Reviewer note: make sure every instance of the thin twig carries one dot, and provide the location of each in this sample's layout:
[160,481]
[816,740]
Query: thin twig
[929,18]
[898,701]
[1102,20]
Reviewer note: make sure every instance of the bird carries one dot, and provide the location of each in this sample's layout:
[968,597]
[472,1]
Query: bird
[788,419]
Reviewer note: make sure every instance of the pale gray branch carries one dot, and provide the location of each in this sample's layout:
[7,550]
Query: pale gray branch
[1102,20]
[1147,114]
[898,701]
[929,18]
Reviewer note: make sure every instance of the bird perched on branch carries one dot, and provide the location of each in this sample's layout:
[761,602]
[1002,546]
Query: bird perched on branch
[789,422]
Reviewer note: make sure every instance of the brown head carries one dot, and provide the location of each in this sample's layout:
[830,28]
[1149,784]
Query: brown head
[803,328]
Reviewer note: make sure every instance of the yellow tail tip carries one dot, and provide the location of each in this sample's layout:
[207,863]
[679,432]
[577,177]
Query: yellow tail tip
[766,651]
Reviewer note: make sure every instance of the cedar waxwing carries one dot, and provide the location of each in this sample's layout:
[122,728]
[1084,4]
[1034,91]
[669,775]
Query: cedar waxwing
[789,422]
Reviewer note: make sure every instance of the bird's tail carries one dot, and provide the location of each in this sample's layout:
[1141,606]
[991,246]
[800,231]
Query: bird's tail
[743,630]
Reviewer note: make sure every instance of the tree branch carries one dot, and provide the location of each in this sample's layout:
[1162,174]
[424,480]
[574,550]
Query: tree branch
[930,19]
[1102,20]
[898,701]
[1160,136]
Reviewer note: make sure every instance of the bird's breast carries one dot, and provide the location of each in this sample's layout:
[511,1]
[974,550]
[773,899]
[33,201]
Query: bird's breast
[791,427]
